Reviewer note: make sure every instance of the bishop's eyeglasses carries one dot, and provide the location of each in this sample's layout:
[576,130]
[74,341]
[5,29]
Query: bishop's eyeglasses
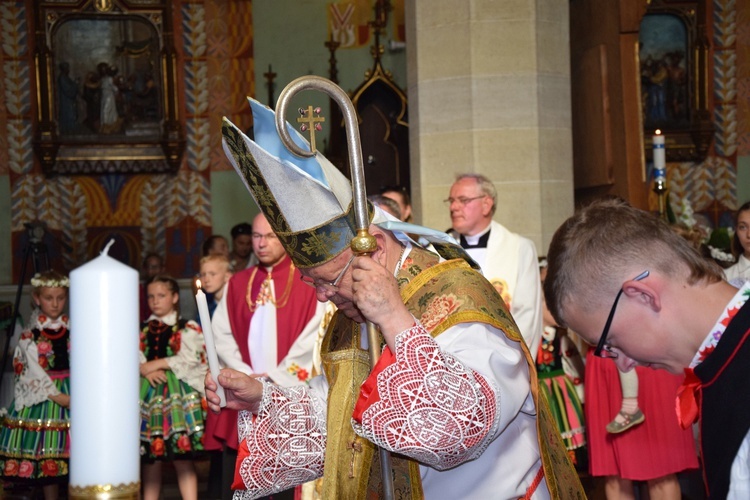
[604,350]
[307,280]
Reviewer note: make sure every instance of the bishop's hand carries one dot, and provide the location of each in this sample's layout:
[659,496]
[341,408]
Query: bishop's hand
[243,392]
[377,296]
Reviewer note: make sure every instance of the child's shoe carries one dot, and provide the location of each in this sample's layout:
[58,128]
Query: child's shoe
[631,420]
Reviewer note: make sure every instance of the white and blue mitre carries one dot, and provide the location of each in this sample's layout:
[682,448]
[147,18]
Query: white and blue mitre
[307,201]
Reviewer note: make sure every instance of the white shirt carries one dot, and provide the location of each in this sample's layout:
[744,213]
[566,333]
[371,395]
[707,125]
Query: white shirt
[740,270]
[299,355]
[510,263]
[511,460]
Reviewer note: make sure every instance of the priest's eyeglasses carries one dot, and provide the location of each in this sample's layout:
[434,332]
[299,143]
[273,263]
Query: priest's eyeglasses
[334,285]
[603,349]
[462,200]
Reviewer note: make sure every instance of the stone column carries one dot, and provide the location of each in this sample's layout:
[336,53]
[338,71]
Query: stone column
[489,92]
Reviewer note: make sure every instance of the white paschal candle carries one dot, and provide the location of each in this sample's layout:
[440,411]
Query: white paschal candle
[208,339]
[659,154]
[104,378]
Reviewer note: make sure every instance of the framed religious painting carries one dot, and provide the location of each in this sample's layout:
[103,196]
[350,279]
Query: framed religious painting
[107,97]
[673,60]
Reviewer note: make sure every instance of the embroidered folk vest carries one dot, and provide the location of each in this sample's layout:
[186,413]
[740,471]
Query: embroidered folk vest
[724,375]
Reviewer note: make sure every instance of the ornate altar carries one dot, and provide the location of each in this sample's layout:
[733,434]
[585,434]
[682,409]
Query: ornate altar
[673,58]
[106,87]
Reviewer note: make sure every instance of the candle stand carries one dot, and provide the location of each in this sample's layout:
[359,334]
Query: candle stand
[660,188]
[129,491]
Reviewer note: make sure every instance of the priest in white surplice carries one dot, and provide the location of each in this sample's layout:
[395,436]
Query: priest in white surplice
[508,260]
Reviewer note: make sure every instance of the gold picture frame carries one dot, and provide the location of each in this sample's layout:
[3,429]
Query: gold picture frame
[106,96]
[673,58]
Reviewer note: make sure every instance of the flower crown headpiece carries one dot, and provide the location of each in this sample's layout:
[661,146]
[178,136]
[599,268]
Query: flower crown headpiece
[38,282]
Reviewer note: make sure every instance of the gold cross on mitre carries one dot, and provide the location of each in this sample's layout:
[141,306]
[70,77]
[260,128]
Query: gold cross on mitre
[310,119]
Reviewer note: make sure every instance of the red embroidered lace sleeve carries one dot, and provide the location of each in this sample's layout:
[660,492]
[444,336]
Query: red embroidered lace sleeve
[431,406]
[283,445]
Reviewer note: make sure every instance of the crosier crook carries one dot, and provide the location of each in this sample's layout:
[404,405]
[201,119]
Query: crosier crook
[363,243]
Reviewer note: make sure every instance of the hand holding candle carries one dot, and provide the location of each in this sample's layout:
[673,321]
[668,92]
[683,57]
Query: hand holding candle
[208,338]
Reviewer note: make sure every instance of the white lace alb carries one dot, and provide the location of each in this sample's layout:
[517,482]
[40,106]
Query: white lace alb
[432,407]
[285,442]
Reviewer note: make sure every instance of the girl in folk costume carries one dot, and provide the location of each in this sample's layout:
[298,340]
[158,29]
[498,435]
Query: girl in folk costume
[173,365]
[35,431]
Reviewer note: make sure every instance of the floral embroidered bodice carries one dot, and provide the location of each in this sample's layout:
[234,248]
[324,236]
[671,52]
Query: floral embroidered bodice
[52,339]
[180,343]
[161,340]
[41,354]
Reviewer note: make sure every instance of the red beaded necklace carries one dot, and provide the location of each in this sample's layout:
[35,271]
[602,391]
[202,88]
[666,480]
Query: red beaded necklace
[54,334]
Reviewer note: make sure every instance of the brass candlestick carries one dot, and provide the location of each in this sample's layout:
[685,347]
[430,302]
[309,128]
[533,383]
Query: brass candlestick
[660,188]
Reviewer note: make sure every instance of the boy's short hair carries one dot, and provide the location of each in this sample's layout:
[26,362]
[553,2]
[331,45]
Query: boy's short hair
[592,251]
[386,204]
[218,258]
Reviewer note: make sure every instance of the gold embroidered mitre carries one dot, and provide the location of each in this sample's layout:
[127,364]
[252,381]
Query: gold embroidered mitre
[308,201]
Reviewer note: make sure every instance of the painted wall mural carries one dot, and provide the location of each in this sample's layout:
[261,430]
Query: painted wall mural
[167,214]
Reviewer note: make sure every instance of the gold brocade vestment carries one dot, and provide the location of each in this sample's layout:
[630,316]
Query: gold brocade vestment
[352,469]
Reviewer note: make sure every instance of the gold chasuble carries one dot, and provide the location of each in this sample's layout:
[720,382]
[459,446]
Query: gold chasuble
[352,468]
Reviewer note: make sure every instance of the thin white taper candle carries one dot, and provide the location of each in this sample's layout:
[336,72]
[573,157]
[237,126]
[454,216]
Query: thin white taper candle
[208,338]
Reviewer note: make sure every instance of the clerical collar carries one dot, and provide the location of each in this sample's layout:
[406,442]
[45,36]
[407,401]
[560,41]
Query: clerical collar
[478,240]
[284,263]
[710,342]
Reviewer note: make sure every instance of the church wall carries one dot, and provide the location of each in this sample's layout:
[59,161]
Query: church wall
[743,101]
[487,89]
[290,36]
[169,214]
[489,93]
[222,55]
[5,241]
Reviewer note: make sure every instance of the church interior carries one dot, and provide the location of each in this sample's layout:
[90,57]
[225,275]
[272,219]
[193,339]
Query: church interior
[547,99]
[112,111]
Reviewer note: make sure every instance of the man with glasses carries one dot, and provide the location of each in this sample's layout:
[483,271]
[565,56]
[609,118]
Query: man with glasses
[451,396]
[267,325]
[628,284]
[508,260]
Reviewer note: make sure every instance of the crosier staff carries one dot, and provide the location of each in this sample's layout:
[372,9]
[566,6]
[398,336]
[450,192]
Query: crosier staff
[363,243]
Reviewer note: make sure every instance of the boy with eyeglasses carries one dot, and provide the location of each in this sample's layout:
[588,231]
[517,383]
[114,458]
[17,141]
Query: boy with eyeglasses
[661,305]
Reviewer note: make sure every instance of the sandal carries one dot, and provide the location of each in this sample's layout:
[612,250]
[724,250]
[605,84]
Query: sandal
[631,420]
